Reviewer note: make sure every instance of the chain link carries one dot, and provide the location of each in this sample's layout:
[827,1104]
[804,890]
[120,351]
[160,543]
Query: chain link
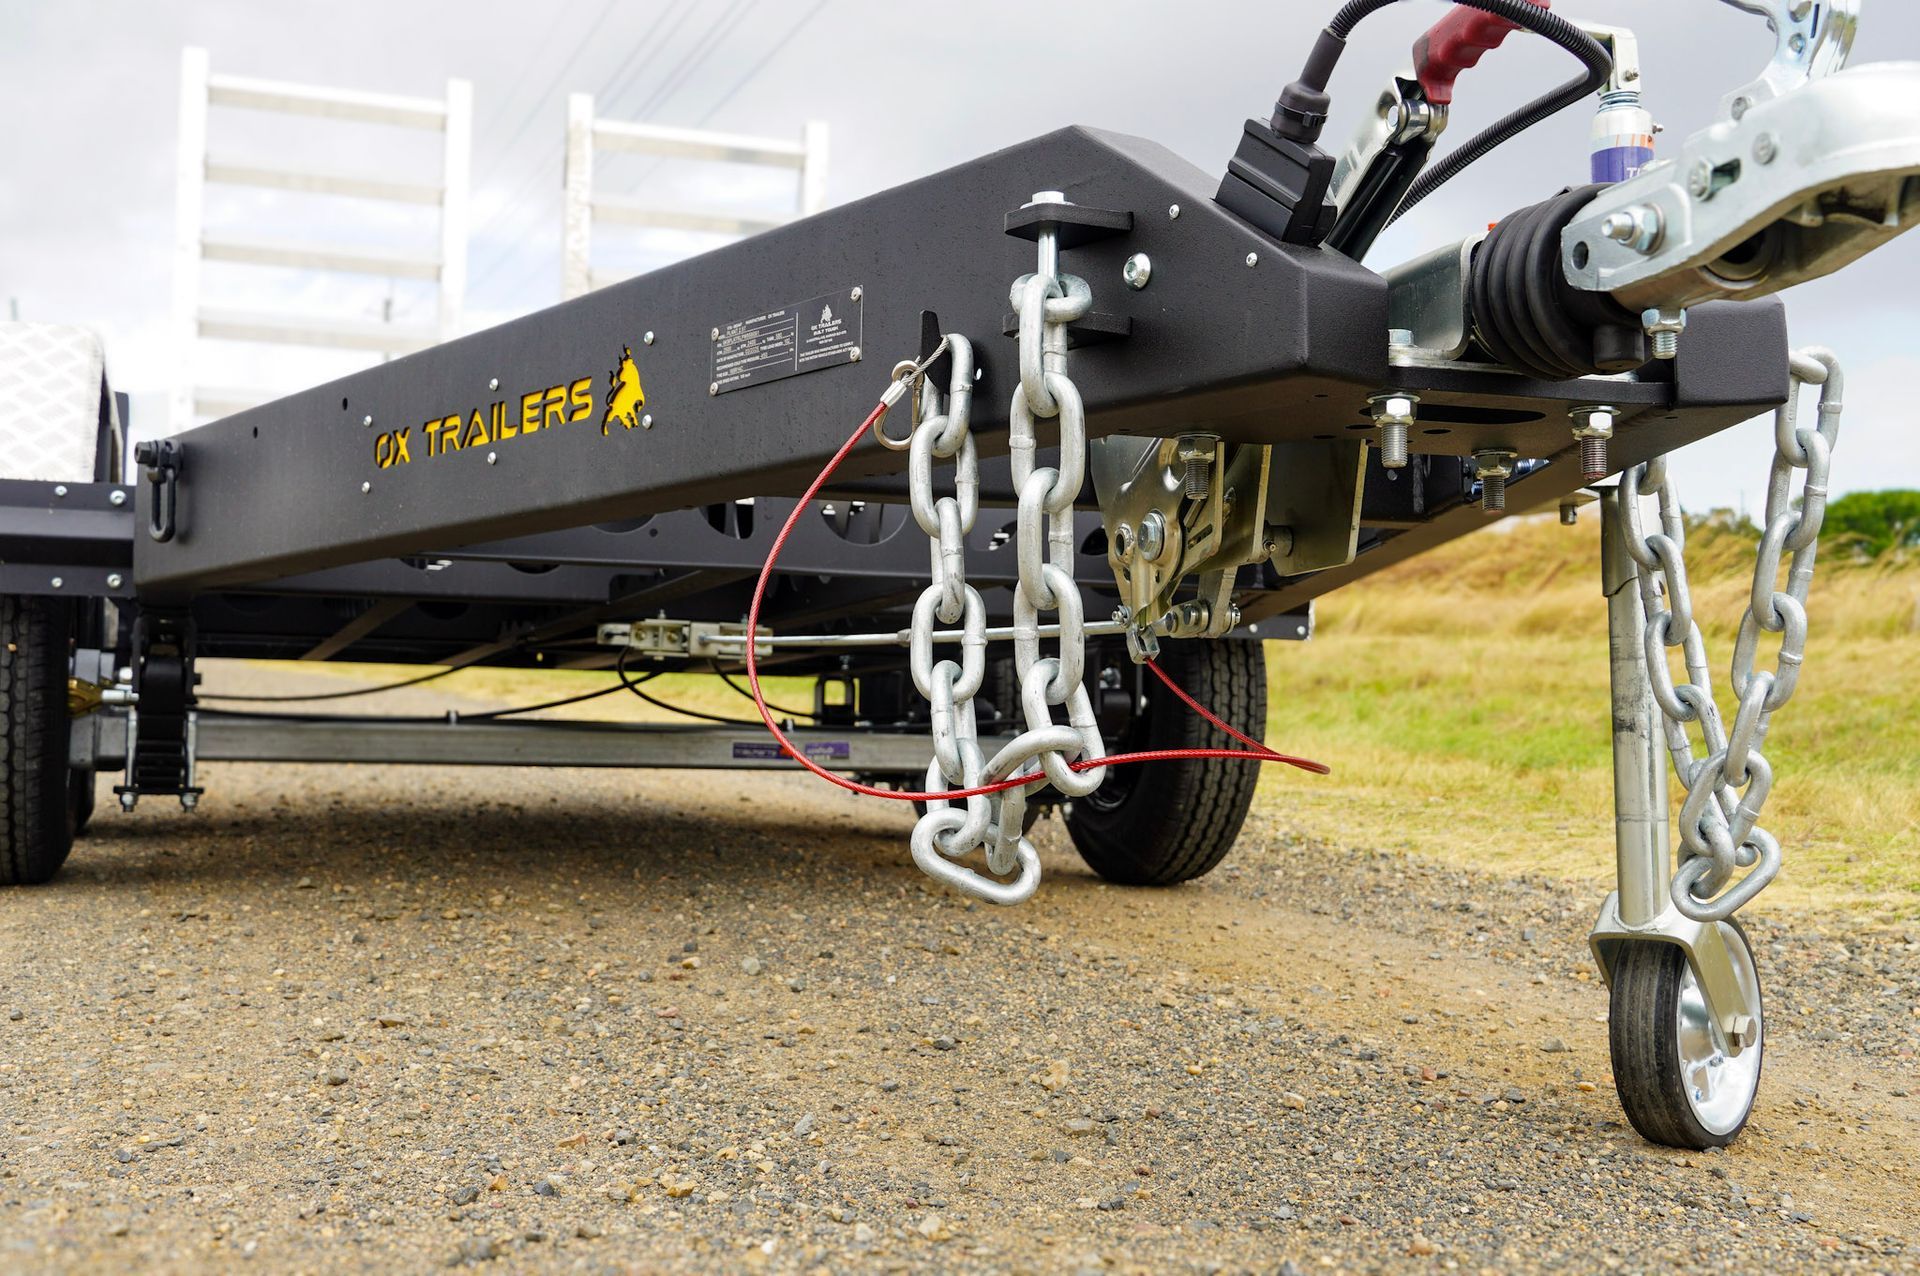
[1044,550]
[1728,785]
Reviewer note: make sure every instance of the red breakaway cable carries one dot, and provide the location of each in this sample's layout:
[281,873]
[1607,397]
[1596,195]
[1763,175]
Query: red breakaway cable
[1255,751]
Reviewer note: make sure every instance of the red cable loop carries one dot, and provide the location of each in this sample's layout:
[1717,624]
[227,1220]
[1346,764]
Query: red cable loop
[1255,752]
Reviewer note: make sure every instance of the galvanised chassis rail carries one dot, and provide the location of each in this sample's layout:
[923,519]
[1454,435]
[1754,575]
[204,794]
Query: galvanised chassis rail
[1237,334]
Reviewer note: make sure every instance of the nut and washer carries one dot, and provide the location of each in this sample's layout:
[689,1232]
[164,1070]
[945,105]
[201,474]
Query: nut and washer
[1153,536]
[1665,327]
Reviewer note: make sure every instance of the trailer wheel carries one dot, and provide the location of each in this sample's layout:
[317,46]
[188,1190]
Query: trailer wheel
[38,810]
[1167,822]
[1677,1082]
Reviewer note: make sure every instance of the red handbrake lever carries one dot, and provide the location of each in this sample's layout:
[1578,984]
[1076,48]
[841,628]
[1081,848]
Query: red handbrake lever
[1456,43]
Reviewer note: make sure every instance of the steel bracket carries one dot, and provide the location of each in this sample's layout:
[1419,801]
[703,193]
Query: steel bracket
[1705,944]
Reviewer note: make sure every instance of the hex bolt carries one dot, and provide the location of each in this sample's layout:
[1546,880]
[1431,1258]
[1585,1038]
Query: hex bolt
[1664,326]
[1493,467]
[1700,180]
[1569,514]
[116,497]
[1137,271]
[1741,1031]
[1394,415]
[1153,536]
[1638,227]
[1592,427]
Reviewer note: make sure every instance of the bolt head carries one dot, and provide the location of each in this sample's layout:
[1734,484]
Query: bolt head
[116,497]
[1123,546]
[713,387]
[1765,149]
[365,488]
[1137,271]
[1153,536]
[58,583]
[1173,212]
[646,421]
[59,489]
[1700,180]
[1742,1031]
[367,419]
[492,458]
[647,340]
[114,581]
[715,334]
[493,383]
[856,293]
[1253,259]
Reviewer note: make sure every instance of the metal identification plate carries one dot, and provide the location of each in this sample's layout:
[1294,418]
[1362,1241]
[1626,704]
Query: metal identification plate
[821,332]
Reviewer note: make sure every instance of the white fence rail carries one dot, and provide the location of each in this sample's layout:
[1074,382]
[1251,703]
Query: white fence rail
[194,322]
[588,136]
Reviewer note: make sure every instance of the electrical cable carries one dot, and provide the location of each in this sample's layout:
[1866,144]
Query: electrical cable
[726,678]
[337,695]
[621,669]
[1302,108]
[1257,753]
[451,715]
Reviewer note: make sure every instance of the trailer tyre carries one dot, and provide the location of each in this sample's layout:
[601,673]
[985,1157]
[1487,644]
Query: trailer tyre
[1677,1082]
[38,808]
[1165,822]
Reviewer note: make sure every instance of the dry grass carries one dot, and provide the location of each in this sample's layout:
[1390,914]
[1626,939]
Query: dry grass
[1462,700]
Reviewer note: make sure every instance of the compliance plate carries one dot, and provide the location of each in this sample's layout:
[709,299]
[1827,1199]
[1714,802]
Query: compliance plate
[820,332]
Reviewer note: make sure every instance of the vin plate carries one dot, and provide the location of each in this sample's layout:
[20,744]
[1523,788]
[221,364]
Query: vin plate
[821,332]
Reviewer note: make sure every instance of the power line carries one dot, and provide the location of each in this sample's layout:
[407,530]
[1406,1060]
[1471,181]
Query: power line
[715,37]
[528,211]
[773,50]
[539,101]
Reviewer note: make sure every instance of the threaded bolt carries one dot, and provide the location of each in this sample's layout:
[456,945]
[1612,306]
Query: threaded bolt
[1664,327]
[1493,493]
[1493,468]
[1393,414]
[1199,478]
[1593,458]
[1592,428]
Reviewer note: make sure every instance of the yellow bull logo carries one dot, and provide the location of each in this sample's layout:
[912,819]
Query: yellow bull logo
[625,398]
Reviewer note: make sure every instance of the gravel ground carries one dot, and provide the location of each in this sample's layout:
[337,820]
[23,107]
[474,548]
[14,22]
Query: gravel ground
[403,1018]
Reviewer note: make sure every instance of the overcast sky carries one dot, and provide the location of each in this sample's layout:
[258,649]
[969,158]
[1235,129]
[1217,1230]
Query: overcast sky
[89,90]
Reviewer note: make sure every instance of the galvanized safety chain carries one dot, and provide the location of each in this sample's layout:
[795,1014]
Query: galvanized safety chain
[1044,548]
[1727,788]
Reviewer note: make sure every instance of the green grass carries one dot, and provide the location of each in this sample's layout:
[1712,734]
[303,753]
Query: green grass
[1461,699]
